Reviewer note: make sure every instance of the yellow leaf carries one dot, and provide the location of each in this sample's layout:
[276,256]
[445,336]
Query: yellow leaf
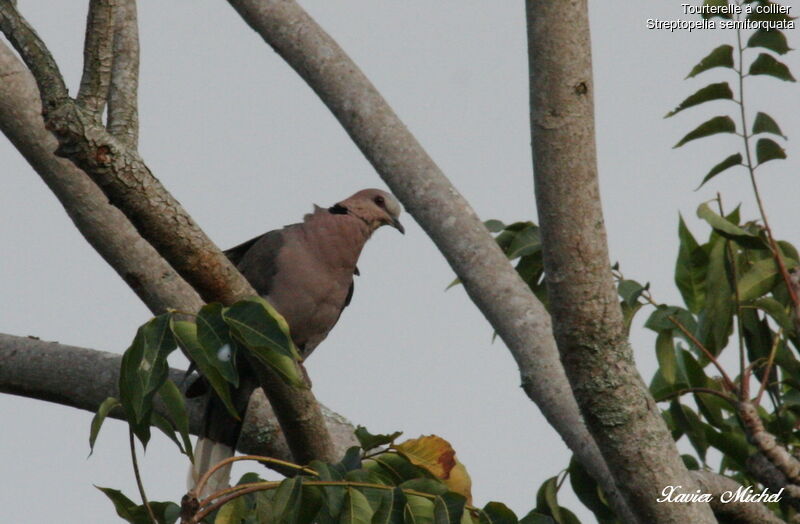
[460,482]
[432,453]
[436,455]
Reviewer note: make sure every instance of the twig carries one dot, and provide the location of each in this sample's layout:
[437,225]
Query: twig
[34,53]
[774,248]
[123,113]
[744,387]
[768,369]
[97,56]
[729,384]
[139,477]
[230,460]
[709,391]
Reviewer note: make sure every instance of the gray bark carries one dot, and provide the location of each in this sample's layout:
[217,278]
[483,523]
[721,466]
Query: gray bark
[123,110]
[616,405]
[106,229]
[161,220]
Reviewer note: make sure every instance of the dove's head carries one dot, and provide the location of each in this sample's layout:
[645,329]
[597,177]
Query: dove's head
[375,207]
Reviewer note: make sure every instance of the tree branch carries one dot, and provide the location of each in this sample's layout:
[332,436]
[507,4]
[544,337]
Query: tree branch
[97,56]
[617,406]
[123,112]
[491,282]
[734,512]
[106,229]
[82,378]
[162,221]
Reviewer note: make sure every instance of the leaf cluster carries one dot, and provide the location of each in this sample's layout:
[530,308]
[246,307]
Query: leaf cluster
[213,340]
[770,44]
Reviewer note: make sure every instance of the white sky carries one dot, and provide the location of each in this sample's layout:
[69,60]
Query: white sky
[241,141]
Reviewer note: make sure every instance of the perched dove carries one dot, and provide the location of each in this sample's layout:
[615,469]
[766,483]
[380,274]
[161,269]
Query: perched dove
[306,272]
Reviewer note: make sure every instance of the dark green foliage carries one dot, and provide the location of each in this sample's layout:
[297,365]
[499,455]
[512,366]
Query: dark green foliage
[722,56]
[767,65]
[718,124]
[719,91]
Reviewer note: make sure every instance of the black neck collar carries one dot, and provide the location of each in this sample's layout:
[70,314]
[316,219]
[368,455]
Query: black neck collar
[338,209]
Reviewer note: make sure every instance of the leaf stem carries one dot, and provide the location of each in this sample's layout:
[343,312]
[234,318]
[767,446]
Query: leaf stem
[744,385]
[768,369]
[139,477]
[267,460]
[776,253]
[729,384]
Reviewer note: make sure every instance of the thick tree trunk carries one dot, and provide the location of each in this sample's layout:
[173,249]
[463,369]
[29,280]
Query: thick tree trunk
[616,405]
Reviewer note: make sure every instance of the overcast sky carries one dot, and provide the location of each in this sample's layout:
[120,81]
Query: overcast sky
[246,147]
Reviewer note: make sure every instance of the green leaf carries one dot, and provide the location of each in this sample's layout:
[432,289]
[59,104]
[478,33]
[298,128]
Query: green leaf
[494,226]
[166,428]
[718,124]
[761,278]
[165,512]
[233,512]
[766,124]
[418,510]
[729,230]
[765,64]
[630,291]
[667,362]
[733,160]
[448,508]
[690,269]
[774,40]
[369,441]
[287,499]
[176,410]
[497,513]
[144,369]
[309,511]
[777,311]
[587,490]
[534,517]
[659,319]
[722,56]
[526,242]
[97,421]
[767,150]
[356,508]
[547,498]
[258,326]
[431,486]
[732,444]
[692,426]
[397,467]
[214,336]
[186,335]
[716,320]
[125,507]
[718,91]
[690,462]
[391,509]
